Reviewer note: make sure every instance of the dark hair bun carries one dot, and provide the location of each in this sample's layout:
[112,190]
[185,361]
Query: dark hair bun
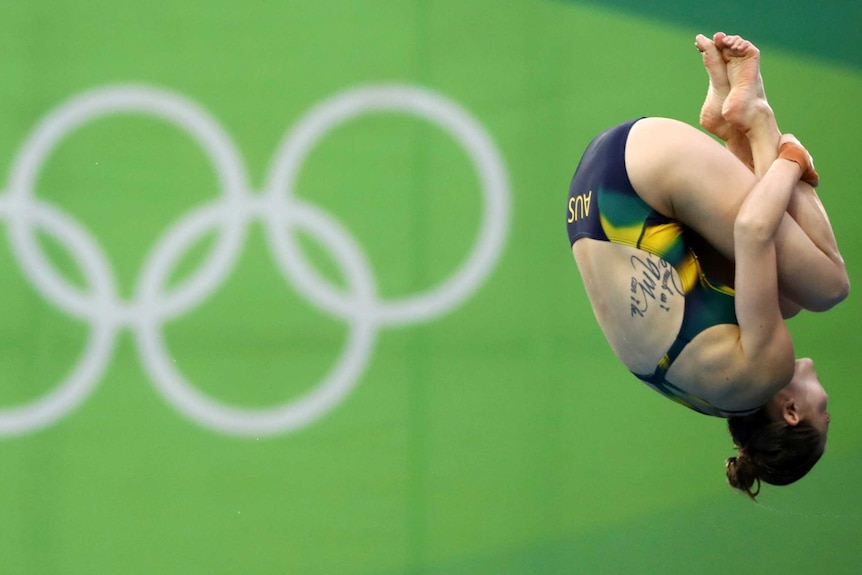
[742,474]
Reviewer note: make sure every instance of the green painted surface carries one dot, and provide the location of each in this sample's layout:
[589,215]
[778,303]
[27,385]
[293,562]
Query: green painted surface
[499,436]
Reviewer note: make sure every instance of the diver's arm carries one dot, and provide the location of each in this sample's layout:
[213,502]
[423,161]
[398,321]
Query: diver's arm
[765,346]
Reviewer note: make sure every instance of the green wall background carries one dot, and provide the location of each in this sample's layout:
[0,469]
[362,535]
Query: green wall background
[501,436]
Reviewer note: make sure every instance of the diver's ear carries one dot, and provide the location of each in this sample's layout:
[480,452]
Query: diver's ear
[790,413]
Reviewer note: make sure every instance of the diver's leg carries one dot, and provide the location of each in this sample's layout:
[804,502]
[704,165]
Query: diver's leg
[711,117]
[745,107]
[684,174]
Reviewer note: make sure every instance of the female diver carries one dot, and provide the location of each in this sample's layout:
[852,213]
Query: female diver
[657,210]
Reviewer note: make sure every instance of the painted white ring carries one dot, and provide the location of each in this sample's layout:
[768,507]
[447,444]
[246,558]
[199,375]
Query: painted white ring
[448,116]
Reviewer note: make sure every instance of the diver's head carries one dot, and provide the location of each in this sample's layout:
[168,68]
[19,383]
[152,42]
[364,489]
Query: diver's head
[782,441]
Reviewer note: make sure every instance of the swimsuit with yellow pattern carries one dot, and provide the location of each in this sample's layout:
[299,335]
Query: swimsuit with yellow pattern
[603,205]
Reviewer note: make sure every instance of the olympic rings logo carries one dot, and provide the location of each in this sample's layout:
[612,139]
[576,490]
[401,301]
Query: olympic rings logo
[229,215]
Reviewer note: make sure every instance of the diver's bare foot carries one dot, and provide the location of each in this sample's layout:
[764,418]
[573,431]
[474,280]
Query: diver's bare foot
[711,117]
[746,102]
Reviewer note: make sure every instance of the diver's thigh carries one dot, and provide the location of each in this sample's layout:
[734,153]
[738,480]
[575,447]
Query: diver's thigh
[686,175]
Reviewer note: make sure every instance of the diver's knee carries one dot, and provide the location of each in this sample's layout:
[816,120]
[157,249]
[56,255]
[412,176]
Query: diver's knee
[834,293]
[842,291]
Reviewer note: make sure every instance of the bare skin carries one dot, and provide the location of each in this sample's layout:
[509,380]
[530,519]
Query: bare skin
[705,191]
[734,367]
[755,213]
[711,117]
[737,111]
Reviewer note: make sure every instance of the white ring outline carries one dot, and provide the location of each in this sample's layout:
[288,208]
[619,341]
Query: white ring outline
[277,208]
[467,132]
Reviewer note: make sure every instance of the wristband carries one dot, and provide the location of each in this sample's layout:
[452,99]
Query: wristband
[796,153]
